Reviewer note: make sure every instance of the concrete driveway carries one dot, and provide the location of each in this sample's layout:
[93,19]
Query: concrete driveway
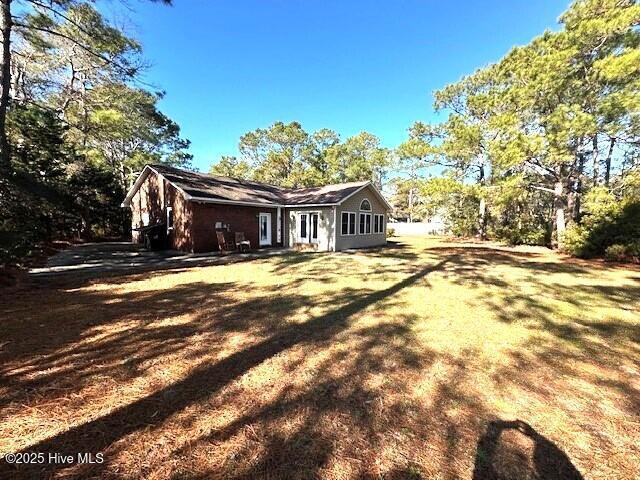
[94,260]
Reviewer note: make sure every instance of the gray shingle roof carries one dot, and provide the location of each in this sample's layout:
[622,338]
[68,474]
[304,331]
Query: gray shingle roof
[211,187]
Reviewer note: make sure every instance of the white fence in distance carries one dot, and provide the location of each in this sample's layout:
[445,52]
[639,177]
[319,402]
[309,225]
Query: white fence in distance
[418,228]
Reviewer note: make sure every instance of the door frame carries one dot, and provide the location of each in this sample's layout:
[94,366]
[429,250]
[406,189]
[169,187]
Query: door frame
[268,242]
[307,238]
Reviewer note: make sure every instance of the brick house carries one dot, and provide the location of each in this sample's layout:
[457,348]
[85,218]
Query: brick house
[192,206]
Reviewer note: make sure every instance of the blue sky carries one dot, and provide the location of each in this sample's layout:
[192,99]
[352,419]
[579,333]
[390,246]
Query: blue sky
[232,66]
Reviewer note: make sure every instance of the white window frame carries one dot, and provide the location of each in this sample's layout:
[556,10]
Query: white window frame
[365,215]
[349,224]
[365,209]
[378,223]
[169,228]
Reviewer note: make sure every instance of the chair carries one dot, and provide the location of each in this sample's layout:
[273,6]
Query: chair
[241,244]
[223,242]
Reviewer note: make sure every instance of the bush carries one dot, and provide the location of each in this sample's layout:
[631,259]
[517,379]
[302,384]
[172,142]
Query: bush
[534,235]
[575,242]
[623,253]
[391,232]
[616,253]
[607,222]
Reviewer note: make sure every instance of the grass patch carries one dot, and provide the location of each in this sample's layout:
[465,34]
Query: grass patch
[427,359]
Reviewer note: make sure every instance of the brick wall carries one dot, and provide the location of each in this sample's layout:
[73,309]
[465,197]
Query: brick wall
[240,218]
[152,198]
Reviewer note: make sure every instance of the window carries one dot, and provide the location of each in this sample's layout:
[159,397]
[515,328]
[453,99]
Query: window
[303,225]
[314,226]
[365,223]
[169,219]
[378,223]
[348,223]
[365,205]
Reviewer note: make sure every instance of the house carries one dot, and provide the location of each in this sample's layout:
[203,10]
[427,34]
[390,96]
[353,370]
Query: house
[193,207]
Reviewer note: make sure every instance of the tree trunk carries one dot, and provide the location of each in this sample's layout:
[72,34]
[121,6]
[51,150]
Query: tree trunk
[596,165]
[575,195]
[5,82]
[482,211]
[559,206]
[410,205]
[607,162]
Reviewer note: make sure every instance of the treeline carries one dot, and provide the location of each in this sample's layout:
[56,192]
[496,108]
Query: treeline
[75,123]
[542,147]
[285,154]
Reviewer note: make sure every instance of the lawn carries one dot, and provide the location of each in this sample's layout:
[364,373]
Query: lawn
[426,359]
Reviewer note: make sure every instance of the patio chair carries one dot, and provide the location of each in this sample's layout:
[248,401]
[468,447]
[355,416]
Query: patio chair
[242,244]
[223,242]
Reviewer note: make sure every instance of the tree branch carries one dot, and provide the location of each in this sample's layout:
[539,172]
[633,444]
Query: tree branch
[125,70]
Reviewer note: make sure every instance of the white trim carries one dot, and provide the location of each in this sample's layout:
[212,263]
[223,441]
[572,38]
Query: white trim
[355,221]
[360,209]
[169,228]
[307,213]
[310,205]
[335,228]
[269,240]
[375,217]
[279,225]
[365,213]
[373,187]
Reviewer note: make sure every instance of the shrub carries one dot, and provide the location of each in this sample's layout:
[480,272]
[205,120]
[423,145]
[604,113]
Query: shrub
[531,235]
[616,253]
[607,222]
[391,232]
[575,242]
[623,253]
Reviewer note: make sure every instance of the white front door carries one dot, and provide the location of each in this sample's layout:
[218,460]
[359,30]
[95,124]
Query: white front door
[265,229]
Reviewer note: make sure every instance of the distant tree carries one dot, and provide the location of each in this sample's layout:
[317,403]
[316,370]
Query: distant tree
[359,158]
[229,166]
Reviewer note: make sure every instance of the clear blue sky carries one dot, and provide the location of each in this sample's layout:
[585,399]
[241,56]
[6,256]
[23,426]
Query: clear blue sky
[230,66]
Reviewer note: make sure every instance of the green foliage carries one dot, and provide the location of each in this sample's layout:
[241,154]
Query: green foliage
[286,155]
[231,167]
[391,232]
[607,221]
[78,126]
[458,201]
[629,253]
[532,133]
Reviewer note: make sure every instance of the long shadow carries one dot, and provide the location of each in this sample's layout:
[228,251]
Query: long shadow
[203,382]
[44,355]
[102,261]
[498,458]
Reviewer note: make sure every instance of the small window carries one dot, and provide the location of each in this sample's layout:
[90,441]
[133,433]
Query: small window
[365,205]
[169,219]
[314,226]
[365,223]
[345,223]
[303,225]
[352,223]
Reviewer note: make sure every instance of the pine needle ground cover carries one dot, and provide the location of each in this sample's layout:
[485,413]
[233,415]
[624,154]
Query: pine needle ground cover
[425,359]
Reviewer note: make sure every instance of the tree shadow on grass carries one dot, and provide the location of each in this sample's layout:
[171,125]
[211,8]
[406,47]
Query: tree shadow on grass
[204,381]
[513,450]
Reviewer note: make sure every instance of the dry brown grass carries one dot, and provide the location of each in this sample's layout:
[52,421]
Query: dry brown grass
[428,359]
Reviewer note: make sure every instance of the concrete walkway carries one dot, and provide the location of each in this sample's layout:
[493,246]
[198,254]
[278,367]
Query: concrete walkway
[94,260]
